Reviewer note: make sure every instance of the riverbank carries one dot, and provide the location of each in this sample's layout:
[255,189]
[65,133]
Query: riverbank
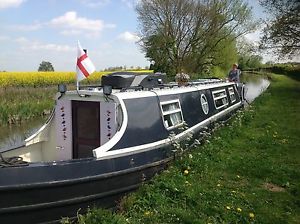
[26,95]
[247,172]
[20,104]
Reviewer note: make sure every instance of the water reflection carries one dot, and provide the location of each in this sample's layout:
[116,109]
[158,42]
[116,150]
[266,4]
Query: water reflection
[255,85]
[16,134]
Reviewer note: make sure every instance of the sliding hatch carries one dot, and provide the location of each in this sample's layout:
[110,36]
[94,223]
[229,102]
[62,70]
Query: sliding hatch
[86,128]
[94,124]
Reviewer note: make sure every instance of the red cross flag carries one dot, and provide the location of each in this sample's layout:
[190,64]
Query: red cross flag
[84,67]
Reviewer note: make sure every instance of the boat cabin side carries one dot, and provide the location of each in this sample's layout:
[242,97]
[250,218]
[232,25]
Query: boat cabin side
[90,123]
[79,123]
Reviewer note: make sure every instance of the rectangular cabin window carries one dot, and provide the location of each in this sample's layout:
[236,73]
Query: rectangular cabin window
[220,98]
[172,114]
[232,94]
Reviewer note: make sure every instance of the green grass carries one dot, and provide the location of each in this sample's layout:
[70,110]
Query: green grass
[247,172]
[25,95]
[19,104]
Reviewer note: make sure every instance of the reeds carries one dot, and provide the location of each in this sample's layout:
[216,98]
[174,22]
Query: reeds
[19,104]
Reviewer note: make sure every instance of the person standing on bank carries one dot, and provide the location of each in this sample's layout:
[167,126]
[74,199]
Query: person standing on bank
[234,74]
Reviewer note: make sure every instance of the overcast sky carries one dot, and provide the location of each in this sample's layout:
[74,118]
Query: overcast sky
[37,30]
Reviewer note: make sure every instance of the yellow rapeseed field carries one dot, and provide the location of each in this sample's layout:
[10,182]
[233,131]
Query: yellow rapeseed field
[39,79]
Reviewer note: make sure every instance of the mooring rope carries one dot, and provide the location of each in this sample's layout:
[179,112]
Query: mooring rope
[13,161]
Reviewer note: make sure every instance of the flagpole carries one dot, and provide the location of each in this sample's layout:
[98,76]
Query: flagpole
[77,82]
[77,85]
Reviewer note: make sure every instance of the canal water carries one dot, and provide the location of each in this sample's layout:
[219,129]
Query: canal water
[15,135]
[255,85]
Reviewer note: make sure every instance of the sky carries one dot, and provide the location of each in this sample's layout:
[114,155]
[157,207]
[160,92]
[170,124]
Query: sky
[33,31]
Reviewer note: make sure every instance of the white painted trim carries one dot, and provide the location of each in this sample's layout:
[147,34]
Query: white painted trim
[36,137]
[141,148]
[29,140]
[171,112]
[143,93]
[169,102]
[219,91]
[170,91]
[175,126]
[135,94]
[118,135]
[220,97]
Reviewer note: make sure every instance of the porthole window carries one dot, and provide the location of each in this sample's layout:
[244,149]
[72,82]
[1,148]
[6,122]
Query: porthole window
[204,104]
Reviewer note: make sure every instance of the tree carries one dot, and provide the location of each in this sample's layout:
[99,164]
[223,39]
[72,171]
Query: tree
[185,35]
[282,31]
[248,57]
[46,66]
[250,61]
[270,63]
[226,54]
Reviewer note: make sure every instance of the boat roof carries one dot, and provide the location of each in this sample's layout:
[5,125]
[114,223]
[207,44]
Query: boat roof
[162,89]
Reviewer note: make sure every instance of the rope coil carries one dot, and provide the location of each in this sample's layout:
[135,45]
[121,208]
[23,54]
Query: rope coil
[14,161]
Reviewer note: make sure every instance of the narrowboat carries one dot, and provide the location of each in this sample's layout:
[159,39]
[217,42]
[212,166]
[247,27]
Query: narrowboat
[102,142]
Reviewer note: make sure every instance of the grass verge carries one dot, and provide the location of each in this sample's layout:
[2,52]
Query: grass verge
[247,172]
[19,104]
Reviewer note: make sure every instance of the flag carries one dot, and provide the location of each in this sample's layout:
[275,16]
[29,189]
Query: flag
[84,66]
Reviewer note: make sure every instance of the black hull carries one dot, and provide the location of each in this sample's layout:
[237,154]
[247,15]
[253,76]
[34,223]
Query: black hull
[50,201]
[47,191]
